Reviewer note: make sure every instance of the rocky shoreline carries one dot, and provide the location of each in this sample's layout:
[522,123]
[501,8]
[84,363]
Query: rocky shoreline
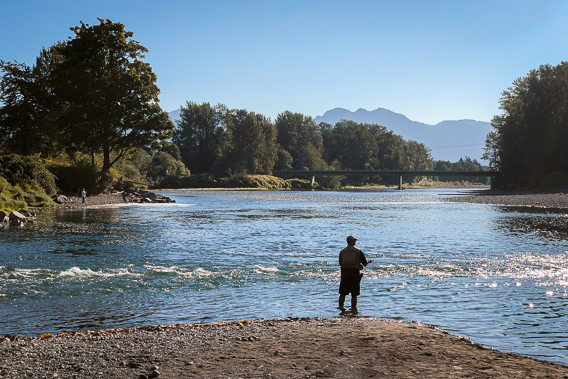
[133,195]
[551,201]
[341,347]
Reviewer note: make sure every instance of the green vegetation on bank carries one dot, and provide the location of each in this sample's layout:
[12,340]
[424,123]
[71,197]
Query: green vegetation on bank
[25,181]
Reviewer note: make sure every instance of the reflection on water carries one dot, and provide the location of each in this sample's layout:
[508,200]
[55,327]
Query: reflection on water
[495,274]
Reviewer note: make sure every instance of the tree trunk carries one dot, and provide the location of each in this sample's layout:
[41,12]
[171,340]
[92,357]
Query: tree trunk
[106,159]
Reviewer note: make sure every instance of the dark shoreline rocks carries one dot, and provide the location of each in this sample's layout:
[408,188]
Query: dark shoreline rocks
[17,218]
[132,195]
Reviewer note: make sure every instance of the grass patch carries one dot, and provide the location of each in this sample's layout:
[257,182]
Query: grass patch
[13,198]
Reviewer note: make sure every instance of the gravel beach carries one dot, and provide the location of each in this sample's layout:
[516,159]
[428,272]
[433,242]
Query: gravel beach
[342,347]
[517,199]
[97,200]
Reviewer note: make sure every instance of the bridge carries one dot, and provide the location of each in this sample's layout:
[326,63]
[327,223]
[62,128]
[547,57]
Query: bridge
[494,175]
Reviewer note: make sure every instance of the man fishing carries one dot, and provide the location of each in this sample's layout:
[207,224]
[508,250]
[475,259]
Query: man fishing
[352,261]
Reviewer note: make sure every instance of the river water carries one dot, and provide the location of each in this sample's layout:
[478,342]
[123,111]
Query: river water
[495,274]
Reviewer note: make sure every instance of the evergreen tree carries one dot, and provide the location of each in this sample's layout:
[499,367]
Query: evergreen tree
[251,146]
[198,135]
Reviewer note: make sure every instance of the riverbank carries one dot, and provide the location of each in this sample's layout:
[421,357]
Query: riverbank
[557,200]
[97,200]
[282,348]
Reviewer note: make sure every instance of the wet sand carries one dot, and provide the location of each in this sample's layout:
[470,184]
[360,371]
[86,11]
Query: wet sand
[342,347]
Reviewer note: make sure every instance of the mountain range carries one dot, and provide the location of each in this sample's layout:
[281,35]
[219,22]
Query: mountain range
[448,140]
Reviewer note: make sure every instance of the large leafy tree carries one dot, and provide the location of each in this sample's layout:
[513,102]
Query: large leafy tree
[301,138]
[251,146]
[199,134]
[530,138]
[17,92]
[106,94]
[354,146]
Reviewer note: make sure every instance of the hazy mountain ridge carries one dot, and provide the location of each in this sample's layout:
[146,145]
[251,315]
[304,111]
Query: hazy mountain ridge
[449,140]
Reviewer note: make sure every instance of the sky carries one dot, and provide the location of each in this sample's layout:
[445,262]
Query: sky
[429,60]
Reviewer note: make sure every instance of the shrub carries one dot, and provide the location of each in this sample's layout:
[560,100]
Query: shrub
[301,183]
[27,172]
[552,180]
[16,197]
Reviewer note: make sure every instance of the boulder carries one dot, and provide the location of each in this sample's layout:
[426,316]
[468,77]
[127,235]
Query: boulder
[4,219]
[61,199]
[16,222]
[17,216]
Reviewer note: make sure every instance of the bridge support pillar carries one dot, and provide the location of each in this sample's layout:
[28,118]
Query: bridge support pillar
[313,180]
[400,182]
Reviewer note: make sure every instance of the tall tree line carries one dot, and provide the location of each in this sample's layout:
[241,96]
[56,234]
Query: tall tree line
[215,139]
[529,141]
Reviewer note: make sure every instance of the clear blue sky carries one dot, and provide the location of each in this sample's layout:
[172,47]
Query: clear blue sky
[429,60]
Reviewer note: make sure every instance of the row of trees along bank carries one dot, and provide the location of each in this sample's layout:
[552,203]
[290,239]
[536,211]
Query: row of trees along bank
[215,139]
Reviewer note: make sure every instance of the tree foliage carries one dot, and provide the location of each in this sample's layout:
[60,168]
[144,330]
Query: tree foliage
[198,135]
[530,138]
[27,172]
[466,164]
[250,145]
[26,107]
[301,138]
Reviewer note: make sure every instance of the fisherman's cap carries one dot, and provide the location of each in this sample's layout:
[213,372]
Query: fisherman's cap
[351,238]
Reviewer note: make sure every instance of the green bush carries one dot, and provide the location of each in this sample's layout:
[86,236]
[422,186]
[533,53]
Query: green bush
[300,183]
[236,181]
[552,180]
[27,172]
[16,197]
[201,181]
[166,171]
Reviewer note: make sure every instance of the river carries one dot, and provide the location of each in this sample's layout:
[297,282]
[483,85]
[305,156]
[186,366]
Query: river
[495,274]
